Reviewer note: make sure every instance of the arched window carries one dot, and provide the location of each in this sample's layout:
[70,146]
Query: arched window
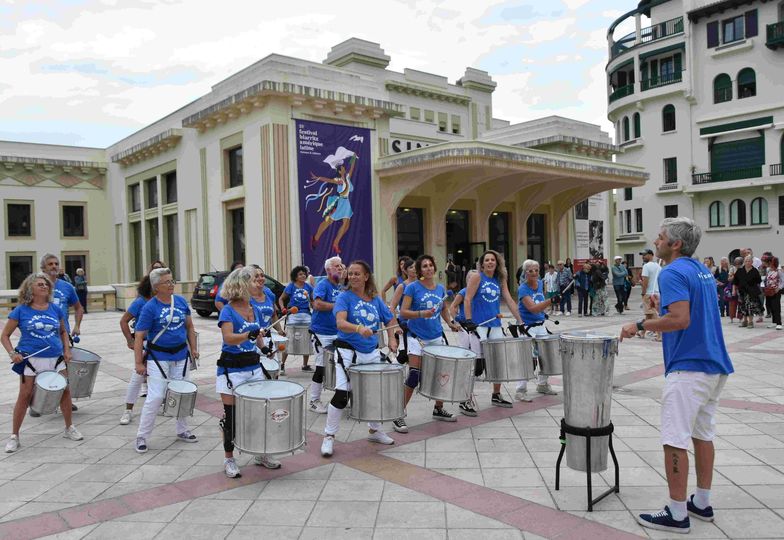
[637,125]
[737,213]
[747,83]
[759,211]
[668,118]
[625,128]
[716,211]
[722,88]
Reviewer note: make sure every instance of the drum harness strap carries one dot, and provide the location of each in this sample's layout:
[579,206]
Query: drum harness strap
[402,353]
[316,341]
[151,346]
[229,360]
[340,344]
[26,363]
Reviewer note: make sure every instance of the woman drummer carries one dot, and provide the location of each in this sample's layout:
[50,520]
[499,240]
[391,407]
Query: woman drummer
[398,278]
[144,291]
[299,294]
[241,323]
[359,312]
[409,271]
[165,323]
[263,298]
[43,346]
[423,304]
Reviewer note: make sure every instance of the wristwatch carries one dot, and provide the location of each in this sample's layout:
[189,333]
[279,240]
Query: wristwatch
[639,326]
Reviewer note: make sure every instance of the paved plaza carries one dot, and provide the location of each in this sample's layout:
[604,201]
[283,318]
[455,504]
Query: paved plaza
[489,477]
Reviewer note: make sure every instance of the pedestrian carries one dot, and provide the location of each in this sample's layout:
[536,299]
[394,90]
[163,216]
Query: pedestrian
[80,284]
[627,286]
[773,288]
[696,366]
[599,284]
[65,277]
[722,275]
[619,275]
[649,282]
[747,284]
[732,295]
[582,283]
[566,286]
[551,288]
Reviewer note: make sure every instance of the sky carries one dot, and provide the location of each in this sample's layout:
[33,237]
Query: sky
[90,72]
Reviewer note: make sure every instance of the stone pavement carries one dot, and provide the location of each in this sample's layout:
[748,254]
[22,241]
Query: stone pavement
[486,477]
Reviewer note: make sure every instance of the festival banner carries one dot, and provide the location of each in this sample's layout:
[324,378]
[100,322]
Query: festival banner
[335,212]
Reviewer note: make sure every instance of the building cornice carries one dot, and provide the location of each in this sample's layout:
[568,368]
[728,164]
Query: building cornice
[147,149]
[67,173]
[425,92]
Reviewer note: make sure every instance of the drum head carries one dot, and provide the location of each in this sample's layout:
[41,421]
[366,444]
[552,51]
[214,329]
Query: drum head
[448,351]
[182,387]
[548,337]
[50,380]
[83,355]
[375,367]
[270,364]
[268,389]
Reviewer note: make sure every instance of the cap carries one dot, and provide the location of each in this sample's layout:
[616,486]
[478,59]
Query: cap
[647,252]
[617,257]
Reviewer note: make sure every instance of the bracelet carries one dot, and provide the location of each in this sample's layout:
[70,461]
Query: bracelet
[358,328]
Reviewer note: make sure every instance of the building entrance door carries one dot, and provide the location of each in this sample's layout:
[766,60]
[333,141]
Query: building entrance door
[536,239]
[410,232]
[500,239]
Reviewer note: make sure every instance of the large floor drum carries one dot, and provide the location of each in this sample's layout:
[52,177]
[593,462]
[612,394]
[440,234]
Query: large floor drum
[376,392]
[548,348]
[447,373]
[180,399]
[508,359]
[329,368]
[82,371]
[47,392]
[269,417]
[299,339]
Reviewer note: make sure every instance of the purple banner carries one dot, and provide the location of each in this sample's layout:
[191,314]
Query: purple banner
[333,163]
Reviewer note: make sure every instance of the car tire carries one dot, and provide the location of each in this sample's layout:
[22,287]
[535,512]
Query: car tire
[203,312]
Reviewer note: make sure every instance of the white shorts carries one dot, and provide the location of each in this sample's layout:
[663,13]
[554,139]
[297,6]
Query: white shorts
[325,341]
[415,345]
[485,333]
[349,358]
[237,378]
[42,364]
[299,318]
[688,408]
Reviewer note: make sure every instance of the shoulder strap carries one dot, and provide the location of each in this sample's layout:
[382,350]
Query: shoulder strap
[168,321]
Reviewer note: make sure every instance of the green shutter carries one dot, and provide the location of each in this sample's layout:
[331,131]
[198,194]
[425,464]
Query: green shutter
[678,65]
[645,71]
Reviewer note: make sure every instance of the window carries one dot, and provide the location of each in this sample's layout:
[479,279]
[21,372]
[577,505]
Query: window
[414,113]
[722,88]
[627,194]
[235,167]
[732,29]
[442,119]
[737,213]
[716,211]
[455,124]
[19,219]
[171,247]
[19,267]
[135,237]
[670,210]
[73,220]
[625,128]
[151,192]
[637,126]
[759,211]
[781,209]
[668,118]
[429,116]
[153,253]
[134,198]
[170,183]
[628,217]
[747,83]
[670,170]
[638,219]
[73,261]
[237,230]
[620,220]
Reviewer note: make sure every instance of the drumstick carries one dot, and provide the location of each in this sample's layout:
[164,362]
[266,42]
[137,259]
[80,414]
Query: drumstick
[292,311]
[489,320]
[33,354]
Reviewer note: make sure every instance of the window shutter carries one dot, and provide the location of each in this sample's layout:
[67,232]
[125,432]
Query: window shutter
[645,72]
[678,65]
[713,34]
[751,23]
[654,71]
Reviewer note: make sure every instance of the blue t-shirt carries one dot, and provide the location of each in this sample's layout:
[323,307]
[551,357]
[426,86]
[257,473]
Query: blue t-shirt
[64,296]
[537,296]
[323,322]
[266,309]
[487,302]
[153,318]
[299,297]
[39,329]
[219,298]
[700,346]
[424,299]
[136,306]
[460,317]
[358,311]
[239,326]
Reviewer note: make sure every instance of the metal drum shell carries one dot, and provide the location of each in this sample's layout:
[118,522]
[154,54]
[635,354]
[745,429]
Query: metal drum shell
[48,390]
[447,373]
[508,359]
[299,339]
[548,349]
[376,392]
[82,372]
[271,365]
[269,417]
[180,399]
[329,369]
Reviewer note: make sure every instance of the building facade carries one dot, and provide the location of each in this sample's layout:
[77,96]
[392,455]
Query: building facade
[696,95]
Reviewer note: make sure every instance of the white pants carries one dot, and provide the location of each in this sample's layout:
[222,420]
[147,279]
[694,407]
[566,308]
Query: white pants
[134,387]
[688,408]
[415,345]
[43,364]
[156,391]
[342,383]
[237,378]
[540,379]
[326,341]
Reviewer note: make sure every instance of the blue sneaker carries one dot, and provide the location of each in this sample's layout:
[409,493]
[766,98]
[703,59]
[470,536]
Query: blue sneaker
[663,521]
[705,514]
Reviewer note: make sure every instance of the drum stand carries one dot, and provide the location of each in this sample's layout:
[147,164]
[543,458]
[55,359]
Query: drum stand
[605,431]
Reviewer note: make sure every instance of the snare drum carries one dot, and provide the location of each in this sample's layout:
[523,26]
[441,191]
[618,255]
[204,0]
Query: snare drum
[180,399]
[299,339]
[269,417]
[47,392]
[278,341]
[271,365]
[549,354]
[447,373]
[329,369]
[82,371]
[376,392]
[508,359]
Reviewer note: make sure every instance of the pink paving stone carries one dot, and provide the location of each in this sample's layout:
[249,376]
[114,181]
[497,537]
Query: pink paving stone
[148,499]
[33,527]
[447,488]
[490,503]
[775,408]
[87,514]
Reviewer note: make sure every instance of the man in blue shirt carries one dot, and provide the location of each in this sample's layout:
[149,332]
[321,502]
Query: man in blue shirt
[696,366]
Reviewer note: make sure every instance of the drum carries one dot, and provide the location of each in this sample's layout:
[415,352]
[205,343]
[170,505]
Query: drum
[47,392]
[447,373]
[271,365]
[376,392]
[508,359]
[269,417]
[180,399]
[549,354]
[278,341]
[82,372]
[299,339]
[329,368]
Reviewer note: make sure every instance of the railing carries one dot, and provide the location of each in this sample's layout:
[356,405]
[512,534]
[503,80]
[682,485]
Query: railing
[776,169]
[623,91]
[668,186]
[647,35]
[662,80]
[775,35]
[725,176]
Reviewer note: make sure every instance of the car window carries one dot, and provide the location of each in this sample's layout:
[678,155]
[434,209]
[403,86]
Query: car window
[206,281]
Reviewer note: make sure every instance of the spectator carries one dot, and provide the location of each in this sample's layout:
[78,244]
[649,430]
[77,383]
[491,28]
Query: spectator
[65,277]
[599,284]
[722,275]
[81,287]
[619,275]
[650,274]
[747,281]
[582,282]
[773,287]
[565,285]
[551,288]
[568,264]
[627,286]
[732,295]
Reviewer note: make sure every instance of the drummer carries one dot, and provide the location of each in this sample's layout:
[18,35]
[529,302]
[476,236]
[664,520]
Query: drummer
[484,292]
[220,301]
[532,308]
[423,304]
[263,298]
[298,293]
[409,269]
[166,320]
[359,312]
[398,278]
[323,325]
[43,346]
[241,323]
[135,385]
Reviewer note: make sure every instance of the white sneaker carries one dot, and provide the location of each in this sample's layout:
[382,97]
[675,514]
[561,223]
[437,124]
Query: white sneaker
[326,445]
[317,407]
[126,417]
[267,461]
[568,313]
[778,327]
[72,433]
[381,438]
[141,445]
[12,445]
[231,469]
[522,395]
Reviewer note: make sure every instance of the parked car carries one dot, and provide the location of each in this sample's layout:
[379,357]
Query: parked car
[203,299]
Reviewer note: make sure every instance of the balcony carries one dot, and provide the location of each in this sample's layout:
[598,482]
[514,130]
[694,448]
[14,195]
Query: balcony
[775,37]
[621,92]
[647,35]
[726,176]
[662,80]
[776,169]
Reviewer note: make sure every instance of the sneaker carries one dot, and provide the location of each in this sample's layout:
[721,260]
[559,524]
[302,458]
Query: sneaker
[231,469]
[126,417]
[579,314]
[704,514]
[778,327]
[498,401]
[12,445]
[187,436]
[663,521]
[751,324]
[141,445]
[326,445]
[266,461]
[317,407]
[34,414]
[568,313]
[380,437]
[467,409]
[770,325]
[400,425]
[143,390]
[522,395]
[74,408]
[72,433]
[444,416]
[546,389]
[307,368]
[282,370]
